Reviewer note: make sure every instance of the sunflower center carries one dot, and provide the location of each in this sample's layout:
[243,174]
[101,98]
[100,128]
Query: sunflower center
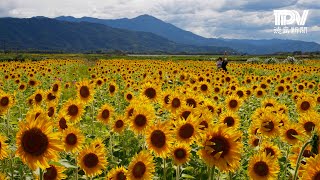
[63,123]
[216,89]
[233,103]
[229,121]
[256,142]
[191,102]
[84,91]
[240,93]
[176,103]
[291,133]
[317,176]
[71,139]
[121,176]
[204,87]
[269,151]
[50,111]
[305,105]
[220,144]
[210,108]
[186,131]
[112,88]
[38,97]
[185,114]
[34,142]
[32,83]
[90,160]
[140,120]
[204,125]
[50,97]
[55,88]
[158,138]
[180,153]
[309,126]
[130,112]
[150,93]
[307,153]
[105,114]
[119,124]
[139,169]
[268,126]
[263,86]
[21,86]
[318,99]
[261,168]
[129,96]
[50,174]
[269,105]
[73,110]
[281,88]
[4,101]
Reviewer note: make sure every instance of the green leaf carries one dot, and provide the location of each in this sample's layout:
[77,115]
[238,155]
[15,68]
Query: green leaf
[187,176]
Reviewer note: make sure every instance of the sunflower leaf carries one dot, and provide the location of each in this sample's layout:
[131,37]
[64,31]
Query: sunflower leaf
[187,176]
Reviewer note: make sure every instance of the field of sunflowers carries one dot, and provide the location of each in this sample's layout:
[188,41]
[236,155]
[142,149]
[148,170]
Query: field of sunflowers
[151,119]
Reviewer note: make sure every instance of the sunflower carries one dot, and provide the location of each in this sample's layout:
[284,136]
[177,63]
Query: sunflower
[119,124]
[263,167]
[185,111]
[175,101]
[269,102]
[72,139]
[222,148]
[270,149]
[309,122]
[34,113]
[180,153]
[105,113]
[205,88]
[290,131]
[295,151]
[129,96]
[312,168]
[37,143]
[22,87]
[118,173]
[233,103]
[151,91]
[305,104]
[3,147]
[205,121]
[98,143]
[51,110]
[254,141]
[187,130]
[33,82]
[268,125]
[112,88]
[62,120]
[92,161]
[54,172]
[230,119]
[141,167]
[3,176]
[51,97]
[38,96]
[74,109]
[159,139]
[141,118]
[6,101]
[259,92]
[85,91]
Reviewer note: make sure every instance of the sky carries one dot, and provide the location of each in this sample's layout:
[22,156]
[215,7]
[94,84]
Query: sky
[233,19]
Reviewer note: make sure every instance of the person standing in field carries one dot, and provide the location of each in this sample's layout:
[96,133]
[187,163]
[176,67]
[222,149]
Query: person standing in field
[219,63]
[225,62]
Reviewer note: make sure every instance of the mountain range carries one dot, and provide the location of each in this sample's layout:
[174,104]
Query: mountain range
[143,34]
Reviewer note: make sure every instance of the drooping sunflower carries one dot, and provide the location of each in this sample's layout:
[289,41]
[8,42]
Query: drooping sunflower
[263,167]
[180,153]
[74,109]
[291,131]
[159,139]
[230,119]
[222,148]
[54,172]
[105,113]
[141,167]
[187,130]
[118,173]
[312,168]
[270,149]
[37,143]
[85,91]
[233,103]
[141,118]
[119,124]
[72,139]
[3,147]
[92,161]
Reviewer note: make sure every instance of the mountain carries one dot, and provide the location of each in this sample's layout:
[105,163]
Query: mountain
[41,33]
[147,23]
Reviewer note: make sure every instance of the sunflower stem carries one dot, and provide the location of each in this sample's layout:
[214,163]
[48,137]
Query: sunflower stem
[76,169]
[285,163]
[41,174]
[299,159]
[164,169]
[177,172]
[212,169]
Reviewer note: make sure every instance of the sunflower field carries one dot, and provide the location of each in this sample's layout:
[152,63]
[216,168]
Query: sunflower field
[151,119]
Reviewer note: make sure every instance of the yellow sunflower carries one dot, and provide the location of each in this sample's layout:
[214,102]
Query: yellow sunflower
[309,121]
[34,113]
[291,131]
[3,147]
[62,121]
[54,172]
[74,109]
[151,91]
[141,167]
[119,124]
[72,139]
[233,103]
[180,153]
[222,148]
[305,104]
[37,143]
[6,101]
[187,130]
[85,91]
[269,125]
[230,119]
[263,167]
[270,149]
[141,118]
[105,113]
[312,168]
[159,139]
[118,173]
[3,176]
[92,161]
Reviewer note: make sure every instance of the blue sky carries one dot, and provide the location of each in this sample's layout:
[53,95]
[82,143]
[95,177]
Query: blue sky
[241,19]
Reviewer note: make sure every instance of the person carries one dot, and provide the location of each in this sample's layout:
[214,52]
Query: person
[219,63]
[224,62]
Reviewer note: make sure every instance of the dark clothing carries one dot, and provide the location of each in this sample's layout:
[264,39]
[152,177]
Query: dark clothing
[224,65]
